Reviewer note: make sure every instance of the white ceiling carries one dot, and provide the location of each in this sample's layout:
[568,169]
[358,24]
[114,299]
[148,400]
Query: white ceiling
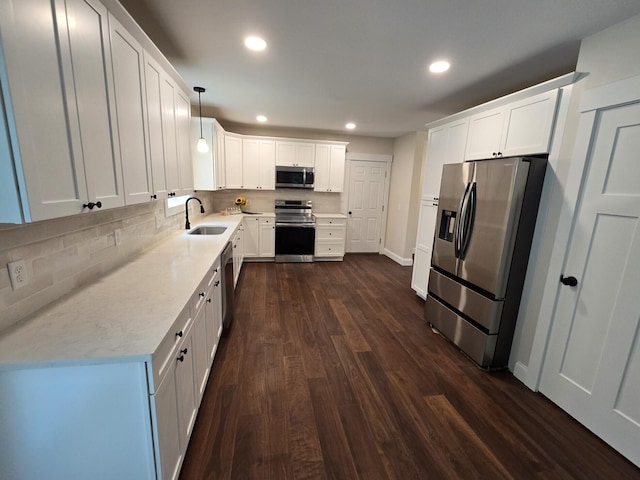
[333,61]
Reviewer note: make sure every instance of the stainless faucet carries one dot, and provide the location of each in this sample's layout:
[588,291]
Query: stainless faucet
[187,225]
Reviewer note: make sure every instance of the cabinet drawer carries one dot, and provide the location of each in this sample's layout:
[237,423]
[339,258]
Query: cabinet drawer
[163,356]
[322,222]
[330,249]
[330,233]
[267,221]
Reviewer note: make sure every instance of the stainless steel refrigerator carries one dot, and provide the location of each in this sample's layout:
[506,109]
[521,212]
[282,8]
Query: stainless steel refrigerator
[486,218]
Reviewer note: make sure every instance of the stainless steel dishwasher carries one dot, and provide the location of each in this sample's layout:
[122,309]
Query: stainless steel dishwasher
[226,261]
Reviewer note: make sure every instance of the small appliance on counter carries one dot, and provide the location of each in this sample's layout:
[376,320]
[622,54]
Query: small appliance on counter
[295,231]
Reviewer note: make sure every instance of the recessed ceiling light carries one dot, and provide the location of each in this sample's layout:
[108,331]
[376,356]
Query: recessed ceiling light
[255,43]
[350,126]
[439,66]
[261,118]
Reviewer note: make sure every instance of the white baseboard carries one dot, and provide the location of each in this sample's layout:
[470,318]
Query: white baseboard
[405,262]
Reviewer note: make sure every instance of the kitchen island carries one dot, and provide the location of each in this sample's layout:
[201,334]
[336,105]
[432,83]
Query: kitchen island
[88,384]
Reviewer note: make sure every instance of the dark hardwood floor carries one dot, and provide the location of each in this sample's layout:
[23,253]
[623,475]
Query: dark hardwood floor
[331,372]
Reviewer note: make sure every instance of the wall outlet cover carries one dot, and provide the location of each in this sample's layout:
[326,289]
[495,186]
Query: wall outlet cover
[18,274]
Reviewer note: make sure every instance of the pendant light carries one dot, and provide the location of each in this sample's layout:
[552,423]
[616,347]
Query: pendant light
[202,143]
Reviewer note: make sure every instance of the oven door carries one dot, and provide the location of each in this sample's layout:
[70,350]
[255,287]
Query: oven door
[295,242]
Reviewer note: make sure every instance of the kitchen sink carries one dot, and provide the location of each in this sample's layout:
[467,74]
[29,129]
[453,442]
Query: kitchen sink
[208,230]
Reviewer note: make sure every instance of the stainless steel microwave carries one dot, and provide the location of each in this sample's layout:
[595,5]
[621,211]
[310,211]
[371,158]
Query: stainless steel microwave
[294,177]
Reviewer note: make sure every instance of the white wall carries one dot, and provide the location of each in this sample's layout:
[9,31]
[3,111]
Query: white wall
[608,56]
[404,189]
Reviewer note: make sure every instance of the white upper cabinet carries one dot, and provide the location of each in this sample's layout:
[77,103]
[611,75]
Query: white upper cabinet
[67,70]
[94,144]
[519,128]
[295,154]
[445,144]
[258,163]
[153,74]
[233,161]
[329,168]
[170,135]
[183,129]
[208,168]
[128,75]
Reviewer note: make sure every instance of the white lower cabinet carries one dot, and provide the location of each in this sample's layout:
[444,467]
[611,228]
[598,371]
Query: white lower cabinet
[213,311]
[424,246]
[238,252]
[259,237]
[251,237]
[330,238]
[267,242]
[127,417]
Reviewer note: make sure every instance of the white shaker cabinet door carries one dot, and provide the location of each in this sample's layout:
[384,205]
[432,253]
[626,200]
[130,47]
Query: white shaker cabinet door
[267,247]
[183,133]
[165,403]
[424,247]
[186,389]
[250,163]
[267,155]
[233,161]
[485,130]
[55,187]
[170,135]
[528,125]
[94,91]
[128,75]
[153,88]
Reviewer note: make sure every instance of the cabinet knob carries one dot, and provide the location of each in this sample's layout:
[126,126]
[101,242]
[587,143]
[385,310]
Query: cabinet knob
[179,334]
[184,350]
[180,358]
[208,300]
[92,205]
[569,281]
[154,196]
[349,213]
[201,294]
[217,283]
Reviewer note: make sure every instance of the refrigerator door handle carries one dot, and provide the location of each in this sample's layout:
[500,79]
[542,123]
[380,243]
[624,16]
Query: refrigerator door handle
[469,217]
[457,232]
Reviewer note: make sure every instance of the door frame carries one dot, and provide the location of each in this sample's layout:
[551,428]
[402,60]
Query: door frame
[369,157]
[614,94]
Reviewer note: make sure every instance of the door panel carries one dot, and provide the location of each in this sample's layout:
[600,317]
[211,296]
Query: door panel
[499,184]
[592,367]
[454,180]
[366,196]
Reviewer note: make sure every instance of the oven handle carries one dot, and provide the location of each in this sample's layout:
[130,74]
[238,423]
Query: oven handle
[295,225]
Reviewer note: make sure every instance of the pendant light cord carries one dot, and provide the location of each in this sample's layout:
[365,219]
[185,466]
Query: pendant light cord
[200,111]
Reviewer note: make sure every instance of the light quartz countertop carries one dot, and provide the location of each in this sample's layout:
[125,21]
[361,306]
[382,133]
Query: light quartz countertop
[124,315]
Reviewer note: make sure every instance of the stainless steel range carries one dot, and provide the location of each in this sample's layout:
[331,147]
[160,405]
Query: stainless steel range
[295,231]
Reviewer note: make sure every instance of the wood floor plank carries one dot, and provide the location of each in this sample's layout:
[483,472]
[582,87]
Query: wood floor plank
[330,371]
[338,460]
[304,443]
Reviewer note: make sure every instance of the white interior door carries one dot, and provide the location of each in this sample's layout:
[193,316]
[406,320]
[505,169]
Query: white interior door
[592,367]
[366,197]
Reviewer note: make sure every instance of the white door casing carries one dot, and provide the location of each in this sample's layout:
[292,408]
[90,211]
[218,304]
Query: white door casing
[368,191]
[592,363]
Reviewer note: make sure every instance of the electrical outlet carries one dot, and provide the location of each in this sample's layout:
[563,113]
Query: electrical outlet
[18,274]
